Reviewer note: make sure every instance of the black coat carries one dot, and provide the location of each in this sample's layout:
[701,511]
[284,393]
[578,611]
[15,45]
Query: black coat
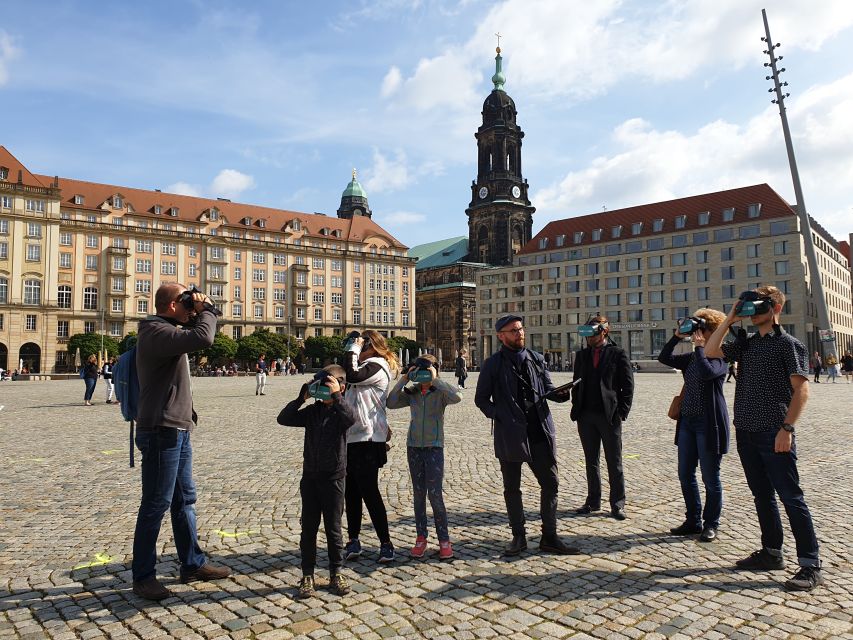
[617,382]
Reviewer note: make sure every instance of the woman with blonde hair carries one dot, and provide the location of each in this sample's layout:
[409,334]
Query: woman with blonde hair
[702,428]
[369,364]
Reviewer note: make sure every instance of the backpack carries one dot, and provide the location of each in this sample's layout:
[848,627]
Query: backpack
[127,389]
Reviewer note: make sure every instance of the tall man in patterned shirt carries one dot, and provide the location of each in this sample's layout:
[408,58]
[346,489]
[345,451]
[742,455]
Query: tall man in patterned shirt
[771,393]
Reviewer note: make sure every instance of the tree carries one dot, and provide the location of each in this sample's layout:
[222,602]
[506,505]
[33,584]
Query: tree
[222,351]
[90,344]
[406,344]
[128,342]
[250,347]
[324,349]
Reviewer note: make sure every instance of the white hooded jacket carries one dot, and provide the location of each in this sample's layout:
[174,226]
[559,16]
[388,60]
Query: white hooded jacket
[367,395]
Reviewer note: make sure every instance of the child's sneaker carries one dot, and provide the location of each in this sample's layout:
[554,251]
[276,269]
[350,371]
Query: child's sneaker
[306,587]
[419,549]
[339,585]
[445,550]
[352,550]
[386,552]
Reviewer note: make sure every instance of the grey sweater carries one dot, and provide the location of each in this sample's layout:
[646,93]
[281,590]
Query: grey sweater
[165,394]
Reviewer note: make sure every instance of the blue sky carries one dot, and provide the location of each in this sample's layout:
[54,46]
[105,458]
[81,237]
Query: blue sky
[273,103]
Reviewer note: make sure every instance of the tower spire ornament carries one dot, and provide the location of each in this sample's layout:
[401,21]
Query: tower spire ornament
[499,78]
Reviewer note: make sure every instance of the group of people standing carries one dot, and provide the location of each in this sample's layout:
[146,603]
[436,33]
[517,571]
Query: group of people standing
[90,373]
[347,435]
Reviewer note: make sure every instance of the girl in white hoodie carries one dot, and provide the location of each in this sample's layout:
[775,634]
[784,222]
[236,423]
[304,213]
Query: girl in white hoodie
[369,365]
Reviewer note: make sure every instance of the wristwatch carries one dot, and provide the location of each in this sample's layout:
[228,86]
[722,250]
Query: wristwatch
[787,426]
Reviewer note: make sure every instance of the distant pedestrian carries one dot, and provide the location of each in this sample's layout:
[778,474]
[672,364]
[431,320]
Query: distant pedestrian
[107,375]
[832,367]
[817,366]
[261,369]
[90,377]
[847,366]
[461,369]
[732,372]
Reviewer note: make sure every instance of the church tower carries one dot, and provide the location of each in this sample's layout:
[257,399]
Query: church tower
[500,216]
[354,201]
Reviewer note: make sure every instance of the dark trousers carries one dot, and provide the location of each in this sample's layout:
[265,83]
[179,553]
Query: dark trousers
[90,388]
[594,430]
[321,496]
[167,485]
[767,474]
[692,451]
[544,467]
[364,485]
[426,466]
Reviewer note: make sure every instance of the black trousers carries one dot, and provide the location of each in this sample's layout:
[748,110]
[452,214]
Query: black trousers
[363,485]
[544,467]
[594,430]
[321,497]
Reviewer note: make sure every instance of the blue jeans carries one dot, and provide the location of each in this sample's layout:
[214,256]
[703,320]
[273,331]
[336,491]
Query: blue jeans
[167,485]
[90,388]
[426,464]
[767,474]
[692,452]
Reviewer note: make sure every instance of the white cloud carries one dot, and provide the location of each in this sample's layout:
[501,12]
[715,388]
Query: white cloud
[185,189]
[391,82]
[400,219]
[230,183]
[650,165]
[8,52]
[387,174]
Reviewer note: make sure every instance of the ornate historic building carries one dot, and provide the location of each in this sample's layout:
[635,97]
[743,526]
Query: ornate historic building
[86,257]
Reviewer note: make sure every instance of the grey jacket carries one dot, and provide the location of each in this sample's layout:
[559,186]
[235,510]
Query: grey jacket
[165,393]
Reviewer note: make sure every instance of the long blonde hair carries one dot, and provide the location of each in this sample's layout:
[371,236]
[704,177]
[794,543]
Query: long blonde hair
[377,341]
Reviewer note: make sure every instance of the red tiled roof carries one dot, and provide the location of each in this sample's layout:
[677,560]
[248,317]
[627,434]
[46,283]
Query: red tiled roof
[772,206]
[15,167]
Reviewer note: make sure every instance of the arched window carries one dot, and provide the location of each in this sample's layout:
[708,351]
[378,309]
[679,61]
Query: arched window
[90,298]
[32,291]
[63,297]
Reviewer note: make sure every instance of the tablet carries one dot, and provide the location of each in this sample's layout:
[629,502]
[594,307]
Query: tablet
[563,388]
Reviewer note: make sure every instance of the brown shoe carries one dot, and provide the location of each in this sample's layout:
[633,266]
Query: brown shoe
[207,571]
[151,589]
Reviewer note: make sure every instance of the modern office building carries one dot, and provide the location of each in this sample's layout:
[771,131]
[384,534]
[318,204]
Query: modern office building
[648,265]
[80,257]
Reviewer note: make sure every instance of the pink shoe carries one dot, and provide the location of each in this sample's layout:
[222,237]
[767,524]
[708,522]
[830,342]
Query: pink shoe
[419,549]
[445,550]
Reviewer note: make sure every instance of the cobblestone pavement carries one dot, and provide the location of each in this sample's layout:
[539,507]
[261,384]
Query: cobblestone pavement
[68,504]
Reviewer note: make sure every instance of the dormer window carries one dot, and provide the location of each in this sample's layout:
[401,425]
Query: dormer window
[336,233]
[753,211]
[680,222]
[246,221]
[214,214]
[173,211]
[543,242]
[4,173]
[657,225]
[578,237]
[262,224]
[636,228]
[117,202]
[704,218]
[324,231]
[158,209]
[616,232]
[596,235]
[561,240]
[728,214]
[297,226]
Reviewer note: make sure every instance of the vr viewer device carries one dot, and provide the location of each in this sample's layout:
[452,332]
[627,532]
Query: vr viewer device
[421,372]
[318,389]
[350,341]
[691,324]
[751,303]
[590,330]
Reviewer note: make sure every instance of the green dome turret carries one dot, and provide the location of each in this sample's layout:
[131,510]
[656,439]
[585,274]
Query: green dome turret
[354,188]
[354,200]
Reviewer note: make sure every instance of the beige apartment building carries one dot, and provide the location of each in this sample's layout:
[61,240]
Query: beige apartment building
[647,266]
[79,257]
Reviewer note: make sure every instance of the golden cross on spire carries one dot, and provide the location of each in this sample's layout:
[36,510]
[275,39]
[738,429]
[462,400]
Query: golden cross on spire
[353,173]
[498,34]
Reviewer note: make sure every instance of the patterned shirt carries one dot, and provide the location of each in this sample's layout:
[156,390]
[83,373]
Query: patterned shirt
[765,367]
[693,403]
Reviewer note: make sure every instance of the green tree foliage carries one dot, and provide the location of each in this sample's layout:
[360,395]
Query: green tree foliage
[401,342]
[323,350]
[250,347]
[222,351]
[89,344]
[127,343]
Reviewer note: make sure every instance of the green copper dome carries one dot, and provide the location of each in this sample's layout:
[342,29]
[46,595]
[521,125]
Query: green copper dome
[499,78]
[354,189]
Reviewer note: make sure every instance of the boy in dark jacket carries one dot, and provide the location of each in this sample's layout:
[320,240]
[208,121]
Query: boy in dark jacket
[324,468]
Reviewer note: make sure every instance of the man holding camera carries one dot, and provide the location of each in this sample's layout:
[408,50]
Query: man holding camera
[185,322]
[771,393]
[600,403]
[512,391]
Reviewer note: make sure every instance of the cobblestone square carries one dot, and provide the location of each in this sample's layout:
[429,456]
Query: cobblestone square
[68,503]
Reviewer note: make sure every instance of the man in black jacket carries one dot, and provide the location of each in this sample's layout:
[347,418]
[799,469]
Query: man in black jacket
[324,468]
[512,390]
[600,403]
[185,322]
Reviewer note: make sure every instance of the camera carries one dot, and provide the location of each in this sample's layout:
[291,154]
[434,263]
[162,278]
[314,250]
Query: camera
[751,303]
[318,389]
[690,325]
[421,371]
[350,341]
[186,299]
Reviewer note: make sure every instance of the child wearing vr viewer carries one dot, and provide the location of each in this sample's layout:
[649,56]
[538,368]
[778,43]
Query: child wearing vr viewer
[427,397]
[326,422]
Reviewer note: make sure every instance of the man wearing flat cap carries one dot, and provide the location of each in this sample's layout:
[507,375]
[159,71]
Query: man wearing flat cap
[512,391]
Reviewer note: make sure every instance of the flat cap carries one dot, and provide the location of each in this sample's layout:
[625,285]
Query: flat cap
[505,320]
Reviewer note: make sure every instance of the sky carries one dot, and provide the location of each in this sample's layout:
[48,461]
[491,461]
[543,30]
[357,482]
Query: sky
[623,102]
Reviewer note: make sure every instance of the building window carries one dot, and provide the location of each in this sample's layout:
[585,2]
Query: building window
[142,306]
[727,253]
[680,222]
[90,298]
[727,273]
[237,310]
[33,253]
[4,290]
[728,214]
[753,211]
[616,232]
[753,270]
[62,329]
[782,268]
[636,228]
[704,218]
[32,292]
[259,311]
[31,322]
[91,263]
[780,248]
[117,305]
[63,297]
[237,332]
[300,313]
[115,329]
[678,259]
[679,241]
[91,241]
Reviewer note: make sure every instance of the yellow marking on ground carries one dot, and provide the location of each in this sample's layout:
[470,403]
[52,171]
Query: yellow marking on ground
[110,452]
[100,559]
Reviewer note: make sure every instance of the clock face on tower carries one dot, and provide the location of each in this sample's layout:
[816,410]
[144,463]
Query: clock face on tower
[516,192]
[484,191]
